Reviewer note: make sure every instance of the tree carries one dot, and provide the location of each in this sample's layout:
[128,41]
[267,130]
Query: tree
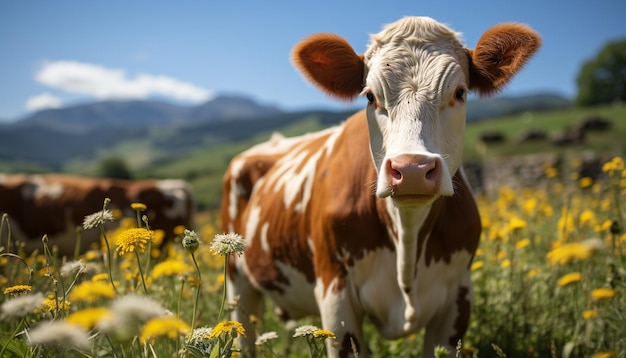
[114,167]
[602,80]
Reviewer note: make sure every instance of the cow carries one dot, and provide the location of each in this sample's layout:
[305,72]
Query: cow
[56,205]
[373,217]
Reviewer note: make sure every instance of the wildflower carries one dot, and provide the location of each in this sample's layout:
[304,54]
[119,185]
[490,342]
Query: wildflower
[477,265]
[602,293]
[20,306]
[585,182]
[522,244]
[130,240]
[199,340]
[179,230]
[128,314]
[190,241]
[551,172]
[163,326]
[226,327]
[589,314]
[569,278]
[17,289]
[101,277]
[138,206]
[54,304]
[170,267]
[72,267]
[91,291]
[323,333]
[506,263]
[614,165]
[265,337]
[573,252]
[97,219]
[603,355]
[516,224]
[59,333]
[88,317]
[587,217]
[532,273]
[225,244]
[306,330]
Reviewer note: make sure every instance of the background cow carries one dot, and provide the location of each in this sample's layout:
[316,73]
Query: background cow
[373,217]
[56,205]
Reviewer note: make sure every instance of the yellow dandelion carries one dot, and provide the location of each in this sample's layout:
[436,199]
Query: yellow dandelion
[602,293]
[138,206]
[227,327]
[133,239]
[100,277]
[477,265]
[17,289]
[532,273]
[516,224]
[522,244]
[587,217]
[551,172]
[88,317]
[603,355]
[569,279]
[91,291]
[506,263]
[589,314]
[585,182]
[170,267]
[323,333]
[54,304]
[614,165]
[179,230]
[168,326]
[567,253]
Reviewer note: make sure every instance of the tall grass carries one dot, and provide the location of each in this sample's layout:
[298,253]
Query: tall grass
[549,281]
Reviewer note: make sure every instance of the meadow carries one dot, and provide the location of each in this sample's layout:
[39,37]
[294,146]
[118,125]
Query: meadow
[549,276]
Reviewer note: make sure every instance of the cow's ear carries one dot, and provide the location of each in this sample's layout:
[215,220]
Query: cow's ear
[500,53]
[329,62]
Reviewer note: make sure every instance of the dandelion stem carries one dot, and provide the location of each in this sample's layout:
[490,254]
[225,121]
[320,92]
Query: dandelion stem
[195,302]
[143,280]
[219,315]
[106,242]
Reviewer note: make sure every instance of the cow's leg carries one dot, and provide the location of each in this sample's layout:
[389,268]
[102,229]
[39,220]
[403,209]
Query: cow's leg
[447,328]
[249,304]
[341,315]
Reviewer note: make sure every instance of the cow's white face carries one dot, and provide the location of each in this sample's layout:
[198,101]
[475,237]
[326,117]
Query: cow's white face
[416,80]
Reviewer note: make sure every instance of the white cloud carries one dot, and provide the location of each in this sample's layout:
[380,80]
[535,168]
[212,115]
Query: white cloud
[107,83]
[43,101]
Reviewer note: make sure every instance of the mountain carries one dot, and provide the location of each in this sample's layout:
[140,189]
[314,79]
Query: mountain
[52,138]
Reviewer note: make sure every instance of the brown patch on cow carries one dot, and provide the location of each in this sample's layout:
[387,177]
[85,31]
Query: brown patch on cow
[463,306]
[452,225]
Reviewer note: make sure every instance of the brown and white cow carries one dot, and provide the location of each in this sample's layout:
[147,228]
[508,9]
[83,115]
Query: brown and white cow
[373,217]
[56,204]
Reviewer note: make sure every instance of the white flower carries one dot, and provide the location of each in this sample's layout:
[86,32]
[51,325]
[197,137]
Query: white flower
[225,244]
[265,337]
[97,219]
[129,313]
[65,335]
[199,340]
[190,241]
[305,330]
[72,267]
[20,306]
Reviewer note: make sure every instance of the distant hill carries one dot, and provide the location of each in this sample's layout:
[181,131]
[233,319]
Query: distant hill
[51,138]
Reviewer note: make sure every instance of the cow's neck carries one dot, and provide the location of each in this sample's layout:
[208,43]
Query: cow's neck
[408,221]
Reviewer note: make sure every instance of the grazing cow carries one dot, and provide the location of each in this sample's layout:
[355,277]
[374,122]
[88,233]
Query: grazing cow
[55,205]
[373,217]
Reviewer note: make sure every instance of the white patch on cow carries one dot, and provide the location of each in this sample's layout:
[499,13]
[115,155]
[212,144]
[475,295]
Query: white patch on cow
[177,191]
[37,189]
[254,217]
[297,299]
[264,244]
[235,191]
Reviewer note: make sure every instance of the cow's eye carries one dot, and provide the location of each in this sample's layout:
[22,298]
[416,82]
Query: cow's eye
[459,94]
[370,97]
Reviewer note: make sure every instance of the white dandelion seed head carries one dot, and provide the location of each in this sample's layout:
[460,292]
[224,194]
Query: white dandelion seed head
[59,333]
[20,306]
[190,241]
[199,340]
[305,330]
[265,337]
[97,219]
[129,313]
[72,267]
[225,244]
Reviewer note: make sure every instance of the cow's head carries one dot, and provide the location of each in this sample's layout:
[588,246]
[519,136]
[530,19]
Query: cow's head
[415,75]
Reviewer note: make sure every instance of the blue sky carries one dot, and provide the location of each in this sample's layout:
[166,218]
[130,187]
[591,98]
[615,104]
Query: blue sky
[60,53]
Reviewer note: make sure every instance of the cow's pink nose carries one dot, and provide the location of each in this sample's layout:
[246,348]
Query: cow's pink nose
[414,174]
